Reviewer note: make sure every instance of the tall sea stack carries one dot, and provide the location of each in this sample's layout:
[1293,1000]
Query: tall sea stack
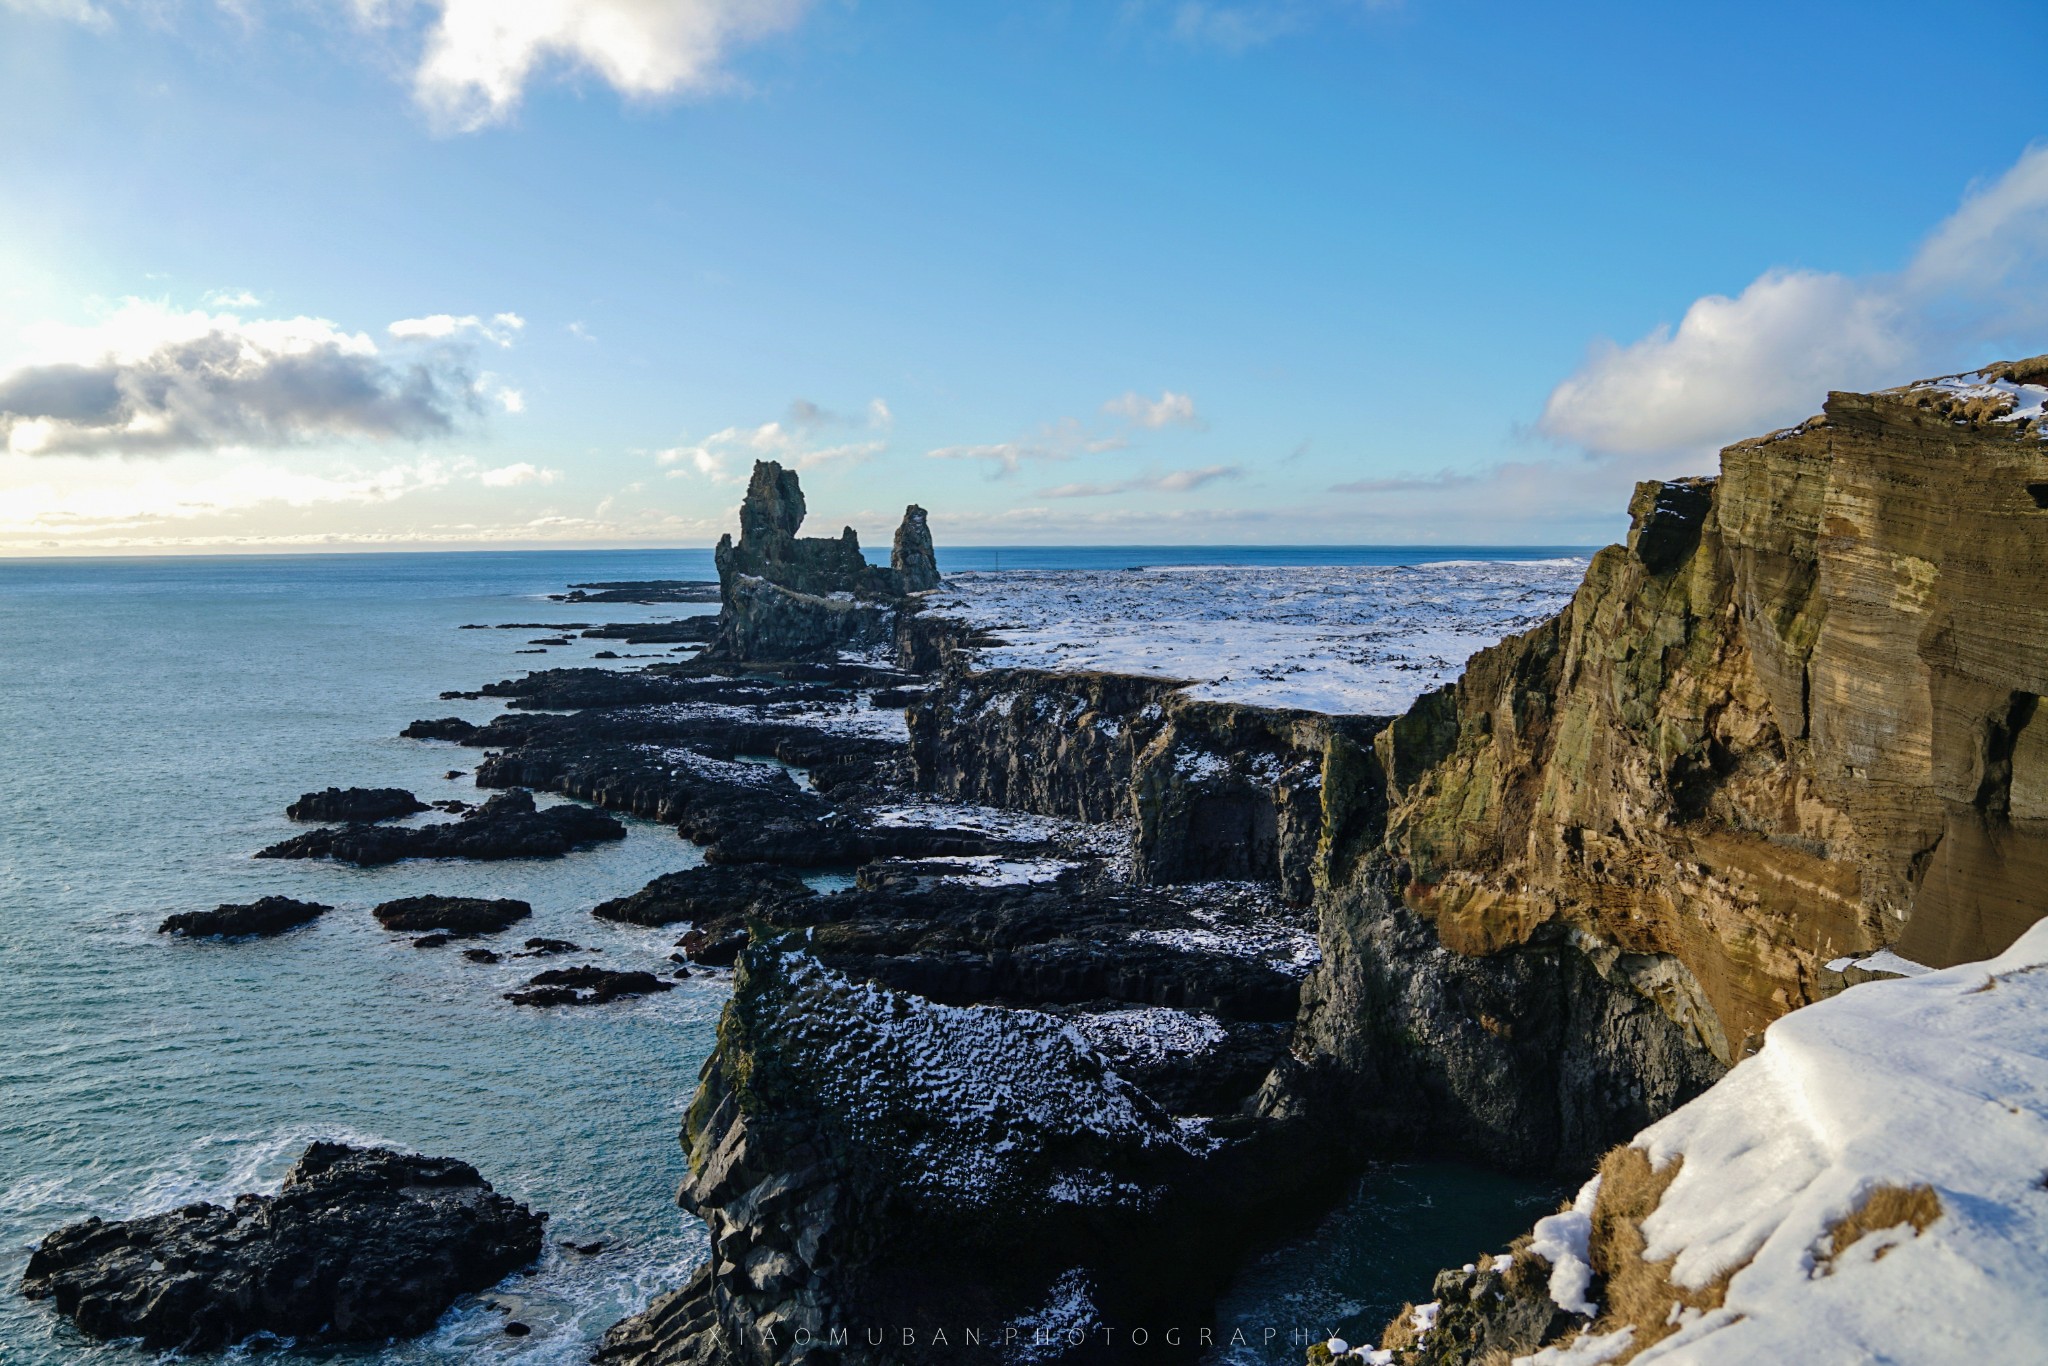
[784,597]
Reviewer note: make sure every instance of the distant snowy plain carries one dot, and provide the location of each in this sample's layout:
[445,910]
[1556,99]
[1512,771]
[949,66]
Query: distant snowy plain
[1337,639]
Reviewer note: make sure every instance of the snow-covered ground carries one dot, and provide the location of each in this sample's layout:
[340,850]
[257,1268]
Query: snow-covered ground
[1330,639]
[1938,1080]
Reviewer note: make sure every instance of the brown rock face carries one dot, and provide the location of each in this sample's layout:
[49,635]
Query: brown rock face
[1795,718]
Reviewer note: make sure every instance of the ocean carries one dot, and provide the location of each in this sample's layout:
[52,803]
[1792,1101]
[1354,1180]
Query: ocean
[156,715]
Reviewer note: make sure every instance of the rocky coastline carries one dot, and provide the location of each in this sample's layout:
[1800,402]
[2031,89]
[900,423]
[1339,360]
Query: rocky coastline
[1130,978]
[1554,902]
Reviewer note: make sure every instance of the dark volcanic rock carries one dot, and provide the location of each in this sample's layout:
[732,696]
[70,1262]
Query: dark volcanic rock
[698,630]
[543,947]
[355,804]
[447,728]
[1037,1175]
[585,985]
[912,557]
[456,915]
[506,826]
[1669,516]
[702,895]
[650,590]
[266,916]
[360,1244]
[787,597]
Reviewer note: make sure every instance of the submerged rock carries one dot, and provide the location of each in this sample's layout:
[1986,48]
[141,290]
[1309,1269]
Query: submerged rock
[360,1244]
[506,826]
[456,915]
[585,985]
[447,728]
[263,917]
[647,591]
[541,948]
[355,804]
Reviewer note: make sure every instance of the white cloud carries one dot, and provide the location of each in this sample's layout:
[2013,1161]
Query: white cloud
[77,11]
[93,497]
[151,379]
[1736,367]
[1168,410]
[512,476]
[501,328]
[481,55]
[232,298]
[726,456]
[1062,440]
[1174,481]
[580,332]
[198,499]
[1236,26]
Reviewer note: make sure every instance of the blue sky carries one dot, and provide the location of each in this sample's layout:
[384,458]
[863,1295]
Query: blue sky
[1252,271]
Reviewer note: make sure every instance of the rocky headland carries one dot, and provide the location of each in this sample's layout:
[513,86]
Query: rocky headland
[1138,966]
[1785,727]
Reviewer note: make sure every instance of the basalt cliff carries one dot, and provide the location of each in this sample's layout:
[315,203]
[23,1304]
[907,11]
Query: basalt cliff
[785,597]
[1790,723]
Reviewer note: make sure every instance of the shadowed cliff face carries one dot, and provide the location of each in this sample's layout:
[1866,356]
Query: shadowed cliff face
[1793,719]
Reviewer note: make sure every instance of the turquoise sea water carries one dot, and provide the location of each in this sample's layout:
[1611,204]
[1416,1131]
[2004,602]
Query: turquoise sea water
[156,715]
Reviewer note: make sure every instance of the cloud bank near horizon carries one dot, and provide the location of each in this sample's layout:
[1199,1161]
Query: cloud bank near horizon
[149,379]
[1738,367]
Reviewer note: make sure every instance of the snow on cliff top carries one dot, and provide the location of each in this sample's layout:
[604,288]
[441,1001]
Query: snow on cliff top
[1338,639]
[1939,1079]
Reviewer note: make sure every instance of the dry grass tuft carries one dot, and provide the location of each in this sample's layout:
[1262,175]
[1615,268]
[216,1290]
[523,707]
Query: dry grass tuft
[1883,1207]
[1400,1334]
[1633,1291]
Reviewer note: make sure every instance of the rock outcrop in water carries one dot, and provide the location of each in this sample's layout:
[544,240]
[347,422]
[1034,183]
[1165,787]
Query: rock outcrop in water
[712,897]
[585,985]
[355,804]
[260,918]
[360,1244]
[459,916]
[507,826]
[785,597]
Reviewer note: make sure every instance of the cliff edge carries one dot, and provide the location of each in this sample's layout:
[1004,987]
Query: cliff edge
[1793,720]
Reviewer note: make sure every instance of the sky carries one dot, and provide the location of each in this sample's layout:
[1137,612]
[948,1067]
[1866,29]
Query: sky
[415,274]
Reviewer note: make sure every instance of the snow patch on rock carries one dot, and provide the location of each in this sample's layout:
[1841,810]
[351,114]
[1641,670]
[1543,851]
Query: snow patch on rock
[1336,639]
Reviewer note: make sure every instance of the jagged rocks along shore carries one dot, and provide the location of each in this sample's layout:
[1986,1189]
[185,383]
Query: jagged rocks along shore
[360,1244]
[1789,724]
